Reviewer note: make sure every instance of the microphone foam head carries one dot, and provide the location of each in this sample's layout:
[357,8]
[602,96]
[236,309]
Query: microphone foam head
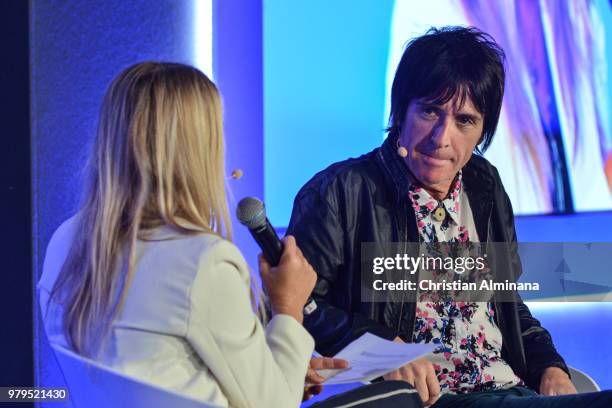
[251,212]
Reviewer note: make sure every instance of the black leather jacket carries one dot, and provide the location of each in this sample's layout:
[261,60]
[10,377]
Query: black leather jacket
[364,200]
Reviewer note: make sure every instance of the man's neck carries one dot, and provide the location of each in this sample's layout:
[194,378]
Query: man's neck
[439,192]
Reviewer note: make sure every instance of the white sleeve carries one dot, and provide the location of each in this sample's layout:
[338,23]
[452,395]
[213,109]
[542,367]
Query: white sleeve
[254,368]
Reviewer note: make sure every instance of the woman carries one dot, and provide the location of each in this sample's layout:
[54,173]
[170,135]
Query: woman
[144,278]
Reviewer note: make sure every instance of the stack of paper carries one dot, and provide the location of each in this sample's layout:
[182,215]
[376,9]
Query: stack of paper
[370,357]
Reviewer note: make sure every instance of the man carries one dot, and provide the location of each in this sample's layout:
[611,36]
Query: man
[426,184]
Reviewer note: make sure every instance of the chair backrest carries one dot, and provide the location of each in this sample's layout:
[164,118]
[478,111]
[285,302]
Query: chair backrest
[582,381]
[93,385]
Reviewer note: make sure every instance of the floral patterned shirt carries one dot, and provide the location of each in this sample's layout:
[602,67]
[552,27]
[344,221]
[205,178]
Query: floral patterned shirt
[468,358]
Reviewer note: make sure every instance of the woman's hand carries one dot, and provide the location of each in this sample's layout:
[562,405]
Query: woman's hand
[289,284]
[313,380]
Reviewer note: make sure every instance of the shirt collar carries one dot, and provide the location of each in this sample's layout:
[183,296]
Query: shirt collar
[423,201]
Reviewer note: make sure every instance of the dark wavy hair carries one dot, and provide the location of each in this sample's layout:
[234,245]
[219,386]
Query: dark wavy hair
[446,62]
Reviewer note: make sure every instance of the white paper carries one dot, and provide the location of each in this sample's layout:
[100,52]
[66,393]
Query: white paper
[370,357]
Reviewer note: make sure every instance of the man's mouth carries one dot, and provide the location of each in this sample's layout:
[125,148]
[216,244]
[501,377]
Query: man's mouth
[435,160]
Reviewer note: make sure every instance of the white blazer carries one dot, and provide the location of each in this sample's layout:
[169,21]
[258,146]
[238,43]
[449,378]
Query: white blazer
[187,323]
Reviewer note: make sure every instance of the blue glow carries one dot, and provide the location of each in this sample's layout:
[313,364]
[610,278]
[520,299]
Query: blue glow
[581,333]
[324,90]
[585,227]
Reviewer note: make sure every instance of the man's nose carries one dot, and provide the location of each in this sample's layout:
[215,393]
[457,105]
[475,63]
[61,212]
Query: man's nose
[441,133]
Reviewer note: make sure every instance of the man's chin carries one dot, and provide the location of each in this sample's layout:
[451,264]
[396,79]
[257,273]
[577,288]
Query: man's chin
[435,182]
[435,179]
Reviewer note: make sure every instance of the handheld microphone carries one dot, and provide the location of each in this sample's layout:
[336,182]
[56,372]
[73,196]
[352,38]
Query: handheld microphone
[252,214]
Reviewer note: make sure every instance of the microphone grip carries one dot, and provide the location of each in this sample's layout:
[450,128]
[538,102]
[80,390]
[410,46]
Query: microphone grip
[268,241]
[272,248]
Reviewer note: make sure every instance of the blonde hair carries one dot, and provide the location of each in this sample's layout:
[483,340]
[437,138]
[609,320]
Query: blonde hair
[158,157]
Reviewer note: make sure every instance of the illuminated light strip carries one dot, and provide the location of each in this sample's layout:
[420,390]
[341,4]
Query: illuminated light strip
[203,36]
[554,306]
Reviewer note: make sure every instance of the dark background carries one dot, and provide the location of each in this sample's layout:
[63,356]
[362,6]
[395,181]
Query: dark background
[16,351]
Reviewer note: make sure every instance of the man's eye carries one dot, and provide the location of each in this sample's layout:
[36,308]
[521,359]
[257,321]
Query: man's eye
[428,112]
[465,120]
